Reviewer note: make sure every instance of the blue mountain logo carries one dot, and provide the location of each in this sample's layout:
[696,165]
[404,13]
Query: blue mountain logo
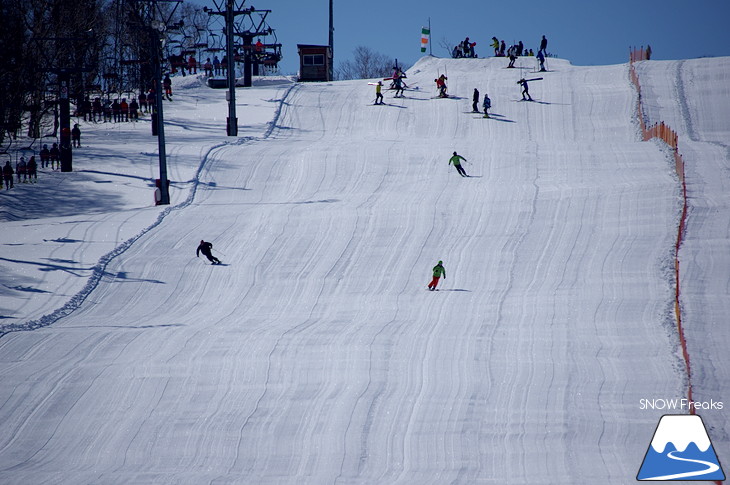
[680,450]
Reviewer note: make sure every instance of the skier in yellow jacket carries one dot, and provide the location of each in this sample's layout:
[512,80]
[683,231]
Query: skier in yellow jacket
[378,94]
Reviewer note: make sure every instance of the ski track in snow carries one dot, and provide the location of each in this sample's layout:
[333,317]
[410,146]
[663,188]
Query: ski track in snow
[317,356]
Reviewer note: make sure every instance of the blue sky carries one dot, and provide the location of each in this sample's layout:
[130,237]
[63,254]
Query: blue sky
[584,32]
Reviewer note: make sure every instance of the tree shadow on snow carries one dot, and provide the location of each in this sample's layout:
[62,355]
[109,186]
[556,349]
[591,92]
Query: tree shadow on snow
[81,272]
[56,198]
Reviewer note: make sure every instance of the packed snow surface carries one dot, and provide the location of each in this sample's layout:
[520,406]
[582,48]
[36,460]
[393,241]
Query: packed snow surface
[314,354]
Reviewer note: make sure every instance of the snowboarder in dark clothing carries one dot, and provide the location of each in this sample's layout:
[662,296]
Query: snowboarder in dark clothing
[438,272]
[206,248]
[456,160]
[475,101]
[487,104]
[525,90]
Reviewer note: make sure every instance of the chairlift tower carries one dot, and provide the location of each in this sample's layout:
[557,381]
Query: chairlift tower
[158,24]
[239,22]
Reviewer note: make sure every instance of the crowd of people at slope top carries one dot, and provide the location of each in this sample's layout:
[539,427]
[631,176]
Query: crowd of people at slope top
[467,48]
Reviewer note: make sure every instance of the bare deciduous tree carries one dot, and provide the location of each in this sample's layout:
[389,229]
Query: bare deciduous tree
[366,64]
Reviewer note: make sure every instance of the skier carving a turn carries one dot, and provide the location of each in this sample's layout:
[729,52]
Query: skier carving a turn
[438,272]
[206,248]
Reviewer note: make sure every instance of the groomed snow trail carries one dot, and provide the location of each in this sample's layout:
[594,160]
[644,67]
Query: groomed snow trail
[315,355]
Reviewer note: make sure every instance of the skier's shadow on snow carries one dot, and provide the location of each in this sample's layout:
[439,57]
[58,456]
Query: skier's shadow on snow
[455,289]
[498,117]
[492,116]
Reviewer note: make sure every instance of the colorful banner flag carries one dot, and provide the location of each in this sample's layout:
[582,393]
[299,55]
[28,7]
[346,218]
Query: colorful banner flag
[425,36]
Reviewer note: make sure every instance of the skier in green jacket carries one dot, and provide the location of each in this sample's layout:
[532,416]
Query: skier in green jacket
[456,160]
[438,272]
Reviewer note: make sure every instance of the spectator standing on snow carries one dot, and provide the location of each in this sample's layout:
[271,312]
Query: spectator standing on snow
[124,109]
[541,60]
[495,46]
[20,167]
[108,110]
[438,272]
[206,248]
[475,101]
[142,102]
[45,156]
[167,84]
[116,111]
[8,175]
[467,47]
[543,46]
[97,109]
[54,157]
[32,169]
[87,109]
[76,136]
[133,110]
[456,160]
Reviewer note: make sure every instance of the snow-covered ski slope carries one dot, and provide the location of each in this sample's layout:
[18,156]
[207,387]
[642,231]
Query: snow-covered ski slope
[316,355]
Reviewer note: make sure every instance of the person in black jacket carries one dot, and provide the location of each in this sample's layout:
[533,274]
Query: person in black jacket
[475,101]
[8,176]
[206,248]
